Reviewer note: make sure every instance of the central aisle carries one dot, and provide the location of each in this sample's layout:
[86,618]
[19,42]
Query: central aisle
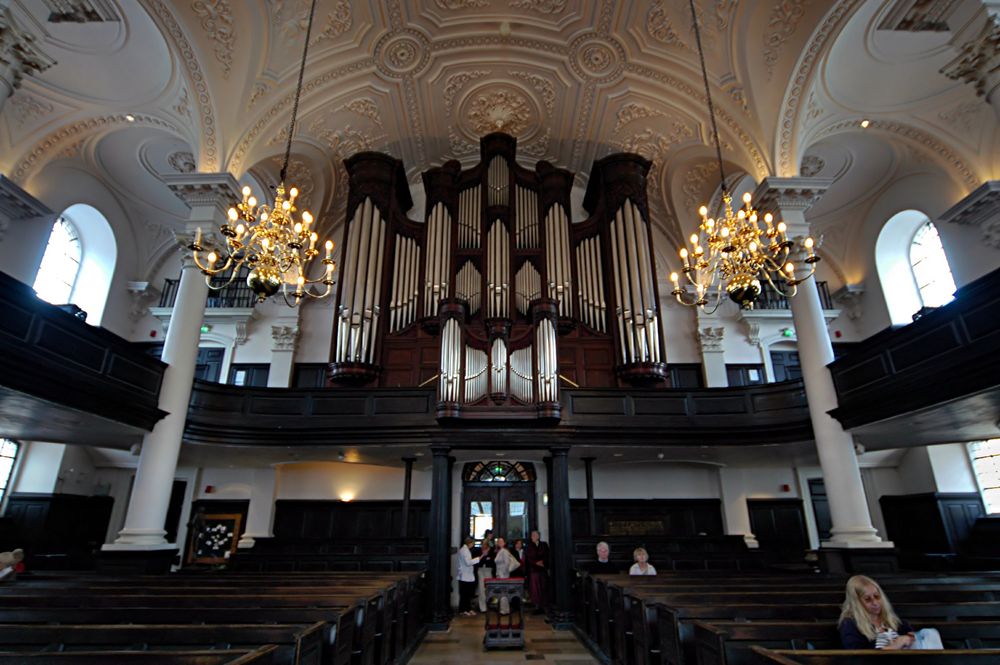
[463,645]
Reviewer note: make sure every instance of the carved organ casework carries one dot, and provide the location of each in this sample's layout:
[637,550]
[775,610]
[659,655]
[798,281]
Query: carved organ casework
[497,296]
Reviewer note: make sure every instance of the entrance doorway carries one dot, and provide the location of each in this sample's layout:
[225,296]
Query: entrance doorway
[498,495]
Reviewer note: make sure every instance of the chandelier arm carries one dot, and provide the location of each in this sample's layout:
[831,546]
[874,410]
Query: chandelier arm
[298,91]
[219,287]
[708,96]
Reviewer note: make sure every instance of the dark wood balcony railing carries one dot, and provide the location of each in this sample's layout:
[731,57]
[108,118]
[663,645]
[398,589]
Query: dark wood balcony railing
[236,294]
[770,299]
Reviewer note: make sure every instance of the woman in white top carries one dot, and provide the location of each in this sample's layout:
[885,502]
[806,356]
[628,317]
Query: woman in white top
[506,563]
[641,565]
[467,576]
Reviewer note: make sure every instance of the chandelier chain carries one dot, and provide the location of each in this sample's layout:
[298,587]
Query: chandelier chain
[708,95]
[298,91]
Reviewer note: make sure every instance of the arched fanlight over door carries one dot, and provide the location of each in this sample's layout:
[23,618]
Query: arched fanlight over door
[498,471]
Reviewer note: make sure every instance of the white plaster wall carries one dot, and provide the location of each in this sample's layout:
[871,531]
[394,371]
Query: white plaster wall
[226,483]
[738,484]
[361,482]
[39,471]
[916,472]
[22,246]
[661,480]
[76,473]
[952,468]
[879,482]
[679,330]
[315,331]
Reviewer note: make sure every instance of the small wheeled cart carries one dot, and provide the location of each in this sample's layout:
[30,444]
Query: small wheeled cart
[504,613]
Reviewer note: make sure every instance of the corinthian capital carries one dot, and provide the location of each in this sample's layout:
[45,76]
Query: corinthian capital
[978,60]
[20,54]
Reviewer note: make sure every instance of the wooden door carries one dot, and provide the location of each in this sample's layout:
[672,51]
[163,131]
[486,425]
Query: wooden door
[779,525]
[506,508]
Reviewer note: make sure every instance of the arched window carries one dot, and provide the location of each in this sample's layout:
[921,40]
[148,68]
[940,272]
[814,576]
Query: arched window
[930,267]
[8,455]
[61,264]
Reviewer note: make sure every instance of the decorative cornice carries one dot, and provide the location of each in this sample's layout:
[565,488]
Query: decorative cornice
[710,339]
[786,194]
[19,52]
[143,294]
[850,297]
[978,60]
[980,208]
[15,203]
[218,190]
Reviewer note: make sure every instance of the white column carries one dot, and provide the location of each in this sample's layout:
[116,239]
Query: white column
[735,510]
[208,196]
[789,198]
[19,55]
[713,358]
[260,514]
[284,335]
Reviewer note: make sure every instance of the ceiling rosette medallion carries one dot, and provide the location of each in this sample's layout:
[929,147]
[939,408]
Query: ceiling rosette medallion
[597,57]
[402,53]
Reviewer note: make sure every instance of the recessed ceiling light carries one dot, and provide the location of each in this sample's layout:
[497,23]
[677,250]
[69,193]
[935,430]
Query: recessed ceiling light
[865,123]
[619,454]
[130,117]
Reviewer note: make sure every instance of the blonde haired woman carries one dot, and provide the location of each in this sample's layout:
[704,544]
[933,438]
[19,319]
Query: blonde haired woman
[641,565]
[867,621]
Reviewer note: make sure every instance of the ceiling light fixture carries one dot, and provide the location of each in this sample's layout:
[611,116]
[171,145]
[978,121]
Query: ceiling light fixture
[734,252]
[865,123]
[277,248]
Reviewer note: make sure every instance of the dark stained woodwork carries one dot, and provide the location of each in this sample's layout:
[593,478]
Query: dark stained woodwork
[938,378]
[53,361]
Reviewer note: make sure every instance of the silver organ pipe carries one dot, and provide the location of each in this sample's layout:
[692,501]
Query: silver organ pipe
[403,301]
[475,375]
[451,361]
[470,203]
[498,367]
[468,284]
[498,177]
[591,292]
[362,275]
[527,218]
[527,287]
[548,368]
[557,262]
[637,308]
[521,383]
[438,253]
[498,268]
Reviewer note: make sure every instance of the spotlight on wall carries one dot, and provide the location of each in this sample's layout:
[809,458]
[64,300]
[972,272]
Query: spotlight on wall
[346,496]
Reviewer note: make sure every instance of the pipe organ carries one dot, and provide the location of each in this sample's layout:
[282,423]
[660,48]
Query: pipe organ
[496,295]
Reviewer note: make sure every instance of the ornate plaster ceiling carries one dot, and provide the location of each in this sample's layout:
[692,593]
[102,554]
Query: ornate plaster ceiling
[208,84]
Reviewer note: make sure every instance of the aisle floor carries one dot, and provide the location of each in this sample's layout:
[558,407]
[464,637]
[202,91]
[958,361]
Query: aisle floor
[462,644]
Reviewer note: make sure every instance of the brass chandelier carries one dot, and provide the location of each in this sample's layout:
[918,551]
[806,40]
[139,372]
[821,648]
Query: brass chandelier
[276,243]
[740,250]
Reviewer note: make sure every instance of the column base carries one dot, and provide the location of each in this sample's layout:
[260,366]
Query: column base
[854,538]
[851,560]
[562,619]
[122,561]
[140,539]
[751,541]
[246,542]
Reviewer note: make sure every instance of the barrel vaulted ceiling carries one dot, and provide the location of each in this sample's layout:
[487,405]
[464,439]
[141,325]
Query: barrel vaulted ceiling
[209,86]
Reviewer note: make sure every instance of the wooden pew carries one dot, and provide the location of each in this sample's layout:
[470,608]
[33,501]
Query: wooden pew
[728,643]
[872,657]
[295,644]
[261,656]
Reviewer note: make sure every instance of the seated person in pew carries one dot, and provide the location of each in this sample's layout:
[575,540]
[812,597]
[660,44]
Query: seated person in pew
[867,621]
[603,563]
[641,565]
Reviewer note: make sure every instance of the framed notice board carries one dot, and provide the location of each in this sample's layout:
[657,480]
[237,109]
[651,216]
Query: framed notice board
[215,537]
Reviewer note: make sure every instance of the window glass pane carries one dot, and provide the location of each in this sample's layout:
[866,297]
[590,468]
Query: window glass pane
[986,462]
[930,267]
[517,520]
[8,453]
[60,264]
[480,518]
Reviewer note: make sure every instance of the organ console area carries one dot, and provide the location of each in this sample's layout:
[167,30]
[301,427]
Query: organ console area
[497,297]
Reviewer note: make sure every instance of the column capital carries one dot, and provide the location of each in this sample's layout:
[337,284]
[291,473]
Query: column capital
[284,337]
[408,460]
[20,54]
[710,338]
[588,460]
[980,208]
[440,449]
[783,195]
[561,450]
[214,192]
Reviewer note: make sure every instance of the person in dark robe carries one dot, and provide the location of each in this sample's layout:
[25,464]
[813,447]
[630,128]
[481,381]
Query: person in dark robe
[538,560]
